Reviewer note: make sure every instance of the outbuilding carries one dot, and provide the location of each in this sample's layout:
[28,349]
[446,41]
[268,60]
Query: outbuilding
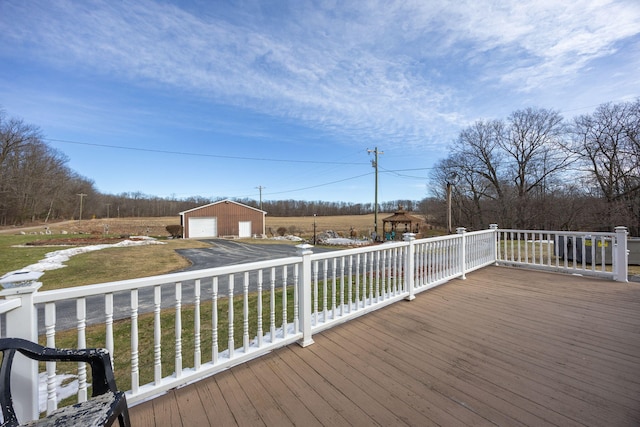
[224,218]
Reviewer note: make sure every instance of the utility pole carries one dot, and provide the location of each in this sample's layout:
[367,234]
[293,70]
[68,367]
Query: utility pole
[260,187]
[314,229]
[108,204]
[374,163]
[449,207]
[451,177]
[82,196]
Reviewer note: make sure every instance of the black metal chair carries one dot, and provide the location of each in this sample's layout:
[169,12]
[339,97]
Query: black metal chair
[106,405]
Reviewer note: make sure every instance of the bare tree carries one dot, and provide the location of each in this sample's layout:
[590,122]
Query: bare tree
[502,168]
[532,145]
[16,140]
[607,144]
[476,167]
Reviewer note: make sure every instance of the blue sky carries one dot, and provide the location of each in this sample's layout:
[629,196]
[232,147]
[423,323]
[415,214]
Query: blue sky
[217,98]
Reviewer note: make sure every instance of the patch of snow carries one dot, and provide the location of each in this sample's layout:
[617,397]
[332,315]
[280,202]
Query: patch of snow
[288,238]
[62,390]
[55,260]
[342,241]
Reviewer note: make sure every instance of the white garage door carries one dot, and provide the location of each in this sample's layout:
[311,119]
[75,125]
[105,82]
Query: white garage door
[203,227]
[244,229]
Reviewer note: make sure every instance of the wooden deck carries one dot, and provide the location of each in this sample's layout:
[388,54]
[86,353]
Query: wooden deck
[505,347]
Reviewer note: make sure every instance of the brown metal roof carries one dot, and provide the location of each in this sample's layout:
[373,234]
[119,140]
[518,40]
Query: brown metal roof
[400,216]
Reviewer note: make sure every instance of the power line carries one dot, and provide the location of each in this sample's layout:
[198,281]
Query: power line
[401,175]
[184,153]
[321,185]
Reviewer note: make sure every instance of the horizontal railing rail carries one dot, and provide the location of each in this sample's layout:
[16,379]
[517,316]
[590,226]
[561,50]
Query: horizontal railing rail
[181,327]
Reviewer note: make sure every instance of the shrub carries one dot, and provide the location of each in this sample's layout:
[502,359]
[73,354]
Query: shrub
[281,231]
[175,230]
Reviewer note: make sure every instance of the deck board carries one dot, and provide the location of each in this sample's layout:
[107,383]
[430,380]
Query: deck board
[504,347]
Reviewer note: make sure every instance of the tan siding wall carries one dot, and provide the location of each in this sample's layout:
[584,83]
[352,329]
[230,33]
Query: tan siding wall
[228,215]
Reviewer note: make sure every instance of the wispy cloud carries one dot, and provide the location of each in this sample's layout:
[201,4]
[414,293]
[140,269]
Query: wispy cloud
[374,72]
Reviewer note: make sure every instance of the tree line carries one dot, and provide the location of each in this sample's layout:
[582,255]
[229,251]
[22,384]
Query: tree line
[37,185]
[531,170]
[535,170]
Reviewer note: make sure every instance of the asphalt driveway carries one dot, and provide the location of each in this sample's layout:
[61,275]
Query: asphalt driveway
[228,252]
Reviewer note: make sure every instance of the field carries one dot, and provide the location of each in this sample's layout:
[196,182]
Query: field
[301,226]
[124,263]
[112,226]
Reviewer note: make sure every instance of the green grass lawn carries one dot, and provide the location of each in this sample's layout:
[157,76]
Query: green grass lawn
[94,267]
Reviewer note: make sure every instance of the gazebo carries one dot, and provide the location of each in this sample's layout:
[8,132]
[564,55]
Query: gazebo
[397,220]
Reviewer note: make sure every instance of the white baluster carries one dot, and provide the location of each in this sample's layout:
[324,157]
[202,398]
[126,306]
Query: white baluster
[108,314]
[157,335]
[394,268]
[284,302]
[197,350]
[333,288]
[245,312]
[377,270]
[231,342]
[371,267]
[349,286]
[214,321]
[366,282]
[178,320]
[50,333]
[81,315]
[342,266]
[385,275]
[135,374]
[315,293]
[325,266]
[357,282]
[260,332]
[272,305]
[296,303]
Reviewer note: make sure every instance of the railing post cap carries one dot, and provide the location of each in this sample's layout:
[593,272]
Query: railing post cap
[461,230]
[621,229]
[408,236]
[21,290]
[20,282]
[304,249]
[493,226]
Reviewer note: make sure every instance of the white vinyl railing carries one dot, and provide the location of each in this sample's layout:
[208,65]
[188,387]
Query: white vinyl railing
[224,316]
[594,254]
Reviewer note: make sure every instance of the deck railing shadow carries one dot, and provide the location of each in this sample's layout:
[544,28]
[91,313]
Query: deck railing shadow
[182,327]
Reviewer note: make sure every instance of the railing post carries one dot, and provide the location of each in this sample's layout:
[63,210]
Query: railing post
[496,242]
[304,294]
[410,265]
[463,252]
[621,255]
[21,322]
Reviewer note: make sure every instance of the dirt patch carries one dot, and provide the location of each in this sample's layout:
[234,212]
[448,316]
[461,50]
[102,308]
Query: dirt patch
[107,226]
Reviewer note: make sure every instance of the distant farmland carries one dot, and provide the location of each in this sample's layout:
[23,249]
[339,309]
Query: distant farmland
[155,226]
